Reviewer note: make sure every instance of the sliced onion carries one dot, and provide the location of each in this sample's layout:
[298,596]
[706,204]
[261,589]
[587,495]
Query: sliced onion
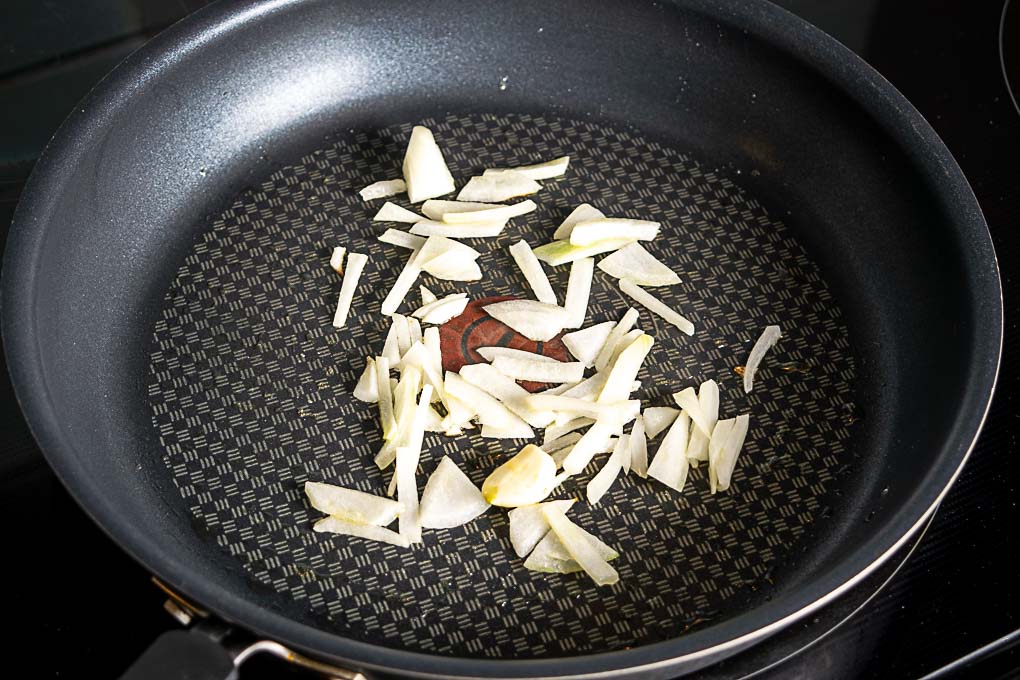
[351,505]
[492,213]
[528,525]
[459,417]
[536,321]
[621,412]
[407,492]
[578,291]
[490,354]
[433,421]
[562,252]
[506,390]
[554,432]
[355,265]
[402,239]
[443,309]
[391,212]
[539,371]
[654,305]
[547,170]
[603,480]
[561,443]
[526,478]
[542,560]
[450,499]
[587,232]
[670,465]
[533,273]
[636,264]
[582,213]
[413,329]
[334,525]
[404,412]
[336,259]
[624,326]
[435,209]
[657,418]
[638,448]
[421,357]
[688,401]
[383,189]
[716,446]
[367,389]
[588,389]
[490,412]
[517,430]
[470,230]
[625,370]
[769,337]
[382,367]
[708,400]
[580,548]
[402,285]
[424,168]
[498,188]
[591,443]
[585,345]
[554,547]
[726,459]
[391,348]
[403,335]
[427,296]
[450,269]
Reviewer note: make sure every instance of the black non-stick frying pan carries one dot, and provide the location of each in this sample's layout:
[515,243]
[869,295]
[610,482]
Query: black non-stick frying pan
[166,308]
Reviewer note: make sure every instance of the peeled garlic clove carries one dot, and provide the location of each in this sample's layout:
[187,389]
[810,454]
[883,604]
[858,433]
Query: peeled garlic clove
[526,478]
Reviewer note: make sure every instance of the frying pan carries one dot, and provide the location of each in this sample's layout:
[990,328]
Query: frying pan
[166,306]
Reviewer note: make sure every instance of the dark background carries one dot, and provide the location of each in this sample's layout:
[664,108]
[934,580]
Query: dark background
[70,591]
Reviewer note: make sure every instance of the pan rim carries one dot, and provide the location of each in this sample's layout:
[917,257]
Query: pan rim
[808,45]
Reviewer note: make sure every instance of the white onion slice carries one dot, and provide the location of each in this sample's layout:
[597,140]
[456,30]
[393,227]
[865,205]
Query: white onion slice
[490,411]
[588,389]
[382,368]
[688,401]
[443,309]
[533,272]
[427,296]
[383,189]
[657,418]
[638,448]
[562,252]
[450,499]
[528,525]
[582,213]
[355,265]
[578,291]
[490,354]
[498,188]
[435,209]
[391,212]
[407,492]
[625,454]
[591,443]
[612,228]
[603,480]
[506,390]
[720,433]
[708,400]
[517,430]
[636,264]
[421,357]
[656,306]
[402,239]
[553,547]
[539,371]
[470,230]
[536,321]
[351,505]
[413,330]
[542,560]
[561,443]
[554,432]
[769,337]
[408,275]
[493,213]
[334,525]
[433,421]
[403,335]
[585,345]
[580,548]
[424,168]
[558,389]
[726,458]
[436,247]
[621,412]
[459,269]
[336,260]
[526,478]
[624,326]
[459,417]
[546,170]
[625,370]
[670,465]
[367,389]
[391,348]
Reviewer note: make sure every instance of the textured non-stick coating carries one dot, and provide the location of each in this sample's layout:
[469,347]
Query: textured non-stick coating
[171,138]
[250,391]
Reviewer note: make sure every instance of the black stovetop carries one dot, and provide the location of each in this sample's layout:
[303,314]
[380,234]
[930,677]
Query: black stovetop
[72,592]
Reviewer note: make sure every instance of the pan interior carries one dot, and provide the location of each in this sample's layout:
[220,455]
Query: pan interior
[249,390]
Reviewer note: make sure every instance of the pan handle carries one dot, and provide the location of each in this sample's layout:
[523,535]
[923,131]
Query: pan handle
[212,650]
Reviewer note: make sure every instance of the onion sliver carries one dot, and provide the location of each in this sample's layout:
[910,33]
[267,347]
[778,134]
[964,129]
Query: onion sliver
[638,448]
[546,170]
[563,252]
[469,230]
[539,371]
[580,548]
[585,345]
[336,259]
[769,337]
[498,187]
[450,499]
[490,354]
[657,419]
[367,389]
[656,306]
[506,390]
[351,505]
[493,213]
[424,168]
[605,354]
[578,291]
[670,465]
[708,400]
[726,459]
[435,209]
[603,480]
[625,370]
[636,264]
[589,232]
[528,525]
[408,275]
[383,189]
[355,265]
[536,321]
[391,212]
[533,273]
[582,213]
[334,525]
[402,239]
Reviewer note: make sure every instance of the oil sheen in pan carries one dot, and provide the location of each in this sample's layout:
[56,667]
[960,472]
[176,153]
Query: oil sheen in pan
[249,389]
